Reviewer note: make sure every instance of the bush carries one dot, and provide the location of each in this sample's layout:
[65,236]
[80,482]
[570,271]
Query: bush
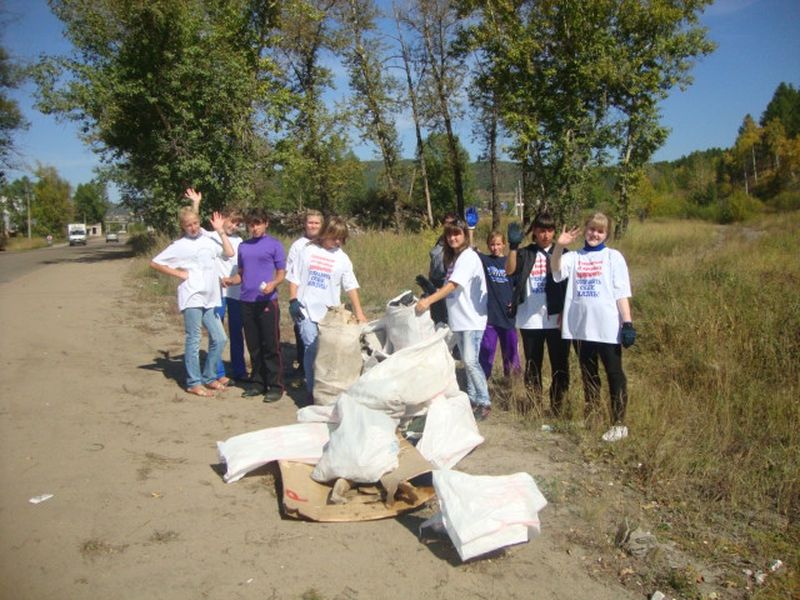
[737,207]
[786,201]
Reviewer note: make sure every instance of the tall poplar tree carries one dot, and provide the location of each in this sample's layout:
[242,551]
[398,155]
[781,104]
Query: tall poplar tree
[374,99]
[172,92]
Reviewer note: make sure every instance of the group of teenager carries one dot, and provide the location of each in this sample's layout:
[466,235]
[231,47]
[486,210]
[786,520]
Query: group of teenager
[555,298]
[220,273]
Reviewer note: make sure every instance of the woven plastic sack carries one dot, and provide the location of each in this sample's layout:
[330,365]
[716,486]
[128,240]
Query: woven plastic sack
[362,448]
[483,513]
[409,378]
[338,362]
[301,442]
[450,431]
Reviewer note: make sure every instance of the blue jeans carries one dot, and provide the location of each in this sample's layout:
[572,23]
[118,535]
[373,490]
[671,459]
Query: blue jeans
[193,320]
[469,343]
[309,334]
[236,337]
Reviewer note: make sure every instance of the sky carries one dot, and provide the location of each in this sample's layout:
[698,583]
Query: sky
[758,47]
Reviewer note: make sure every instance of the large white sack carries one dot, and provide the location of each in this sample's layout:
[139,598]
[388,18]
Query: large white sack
[482,513]
[362,448]
[316,413]
[450,431]
[401,325]
[301,442]
[408,378]
[338,362]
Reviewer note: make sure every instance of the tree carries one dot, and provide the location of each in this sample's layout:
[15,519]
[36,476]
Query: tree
[15,204]
[784,106]
[437,159]
[744,149]
[11,119]
[650,50]
[576,80]
[314,147]
[436,22]
[51,208]
[91,201]
[412,90]
[374,93]
[170,91]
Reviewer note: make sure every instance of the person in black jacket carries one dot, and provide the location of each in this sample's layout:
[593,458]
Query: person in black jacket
[538,302]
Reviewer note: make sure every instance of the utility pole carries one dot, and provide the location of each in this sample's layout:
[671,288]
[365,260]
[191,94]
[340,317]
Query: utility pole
[28,198]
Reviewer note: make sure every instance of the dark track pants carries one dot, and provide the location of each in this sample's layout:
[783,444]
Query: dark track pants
[261,321]
[611,357]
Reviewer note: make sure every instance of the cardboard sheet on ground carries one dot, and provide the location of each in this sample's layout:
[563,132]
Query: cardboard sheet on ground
[304,498]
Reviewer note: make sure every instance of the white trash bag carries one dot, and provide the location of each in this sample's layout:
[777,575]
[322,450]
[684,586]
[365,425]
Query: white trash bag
[409,378]
[362,448]
[301,442]
[482,513]
[401,324]
[450,431]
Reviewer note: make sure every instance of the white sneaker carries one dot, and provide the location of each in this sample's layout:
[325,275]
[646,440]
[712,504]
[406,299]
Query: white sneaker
[616,433]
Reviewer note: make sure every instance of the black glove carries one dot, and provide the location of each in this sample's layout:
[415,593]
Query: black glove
[515,235]
[295,309]
[628,334]
[427,286]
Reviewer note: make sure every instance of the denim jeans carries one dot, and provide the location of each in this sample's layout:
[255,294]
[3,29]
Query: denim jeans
[235,336]
[309,334]
[193,320]
[469,343]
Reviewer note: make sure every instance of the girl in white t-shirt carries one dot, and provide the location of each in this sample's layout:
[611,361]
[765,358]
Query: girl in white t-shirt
[192,259]
[316,279]
[597,313]
[466,297]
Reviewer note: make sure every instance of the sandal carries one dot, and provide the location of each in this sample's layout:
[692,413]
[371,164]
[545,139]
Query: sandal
[199,390]
[224,380]
[216,385]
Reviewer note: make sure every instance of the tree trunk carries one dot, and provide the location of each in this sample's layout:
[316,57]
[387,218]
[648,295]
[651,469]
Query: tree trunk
[493,165]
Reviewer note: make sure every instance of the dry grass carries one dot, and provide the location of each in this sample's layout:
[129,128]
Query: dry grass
[713,378]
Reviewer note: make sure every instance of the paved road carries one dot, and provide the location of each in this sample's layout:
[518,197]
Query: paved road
[16,264]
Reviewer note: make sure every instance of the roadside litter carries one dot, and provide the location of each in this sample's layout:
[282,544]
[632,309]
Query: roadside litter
[41,498]
[345,459]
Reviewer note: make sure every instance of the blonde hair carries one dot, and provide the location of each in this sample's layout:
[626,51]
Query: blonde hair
[335,228]
[186,213]
[313,212]
[599,221]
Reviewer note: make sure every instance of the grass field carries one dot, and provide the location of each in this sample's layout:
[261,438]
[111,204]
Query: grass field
[713,378]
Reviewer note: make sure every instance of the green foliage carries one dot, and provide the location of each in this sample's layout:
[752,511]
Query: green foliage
[16,202]
[440,176]
[575,80]
[51,208]
[167,90]
[374,101]
[785,108]
[91,201]
[738,207]
[11,118]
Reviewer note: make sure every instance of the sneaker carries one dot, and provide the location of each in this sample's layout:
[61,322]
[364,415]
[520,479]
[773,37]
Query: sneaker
[616,433]
[481,412]
[273,395]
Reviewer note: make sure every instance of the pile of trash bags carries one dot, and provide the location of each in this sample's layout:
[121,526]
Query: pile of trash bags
[371,382]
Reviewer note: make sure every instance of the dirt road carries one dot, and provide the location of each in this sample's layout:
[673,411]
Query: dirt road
[92,412]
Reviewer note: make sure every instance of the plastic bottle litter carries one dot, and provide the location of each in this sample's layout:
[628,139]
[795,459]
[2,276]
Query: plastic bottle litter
[40,498]
[775,565]
[657,596]
[547,428]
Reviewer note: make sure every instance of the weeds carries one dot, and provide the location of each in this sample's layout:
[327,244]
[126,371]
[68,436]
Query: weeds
[713,377]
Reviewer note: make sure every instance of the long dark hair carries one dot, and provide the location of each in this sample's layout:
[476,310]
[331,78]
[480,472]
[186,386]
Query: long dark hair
[451,254]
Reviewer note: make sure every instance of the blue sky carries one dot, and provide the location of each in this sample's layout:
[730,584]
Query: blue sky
[758,47]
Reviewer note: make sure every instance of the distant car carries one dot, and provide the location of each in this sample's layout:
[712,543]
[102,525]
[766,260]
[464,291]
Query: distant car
[112,237]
